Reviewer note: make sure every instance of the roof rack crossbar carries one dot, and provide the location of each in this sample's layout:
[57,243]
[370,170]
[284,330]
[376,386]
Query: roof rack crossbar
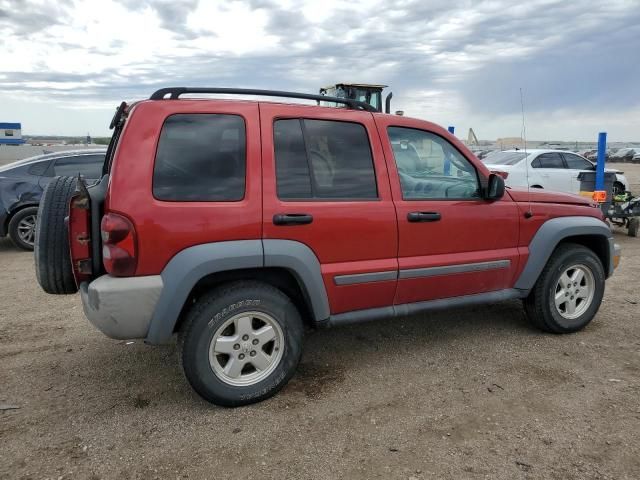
[175,92]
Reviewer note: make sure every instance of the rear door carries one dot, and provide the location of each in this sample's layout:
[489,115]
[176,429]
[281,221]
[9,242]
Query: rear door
[451,242]
[575,165]
[551,170]
[326,185]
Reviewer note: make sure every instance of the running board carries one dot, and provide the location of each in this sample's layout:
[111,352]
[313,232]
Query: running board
[359,316]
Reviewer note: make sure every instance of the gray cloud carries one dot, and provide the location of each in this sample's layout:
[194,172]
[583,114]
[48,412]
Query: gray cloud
[22,17]
[565,55]
[172,13]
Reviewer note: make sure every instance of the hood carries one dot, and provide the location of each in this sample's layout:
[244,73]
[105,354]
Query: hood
[545,196]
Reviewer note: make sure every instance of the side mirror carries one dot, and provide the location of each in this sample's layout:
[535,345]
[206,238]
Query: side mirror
[495,188]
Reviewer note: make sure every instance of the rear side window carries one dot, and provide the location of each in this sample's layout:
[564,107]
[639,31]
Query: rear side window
[575,162]
[548,160]
[323,159]
[201,157]
[89,166]
[39,168]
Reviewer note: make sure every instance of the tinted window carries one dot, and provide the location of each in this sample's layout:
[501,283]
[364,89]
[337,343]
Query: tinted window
[575,162]
[430,167]
[39,168]
[323,159]
[292,167]
[201,157]
[89,166]
[548,160]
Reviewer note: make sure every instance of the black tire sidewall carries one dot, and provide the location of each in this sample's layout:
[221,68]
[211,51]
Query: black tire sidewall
[205,321]
[54,271]
[584,257]
[13,227]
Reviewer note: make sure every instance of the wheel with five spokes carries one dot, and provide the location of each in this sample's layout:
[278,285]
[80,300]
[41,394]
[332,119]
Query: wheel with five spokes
[568,292]
[241,343]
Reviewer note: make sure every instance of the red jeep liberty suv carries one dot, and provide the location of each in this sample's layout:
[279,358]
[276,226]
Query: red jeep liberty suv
[235,224]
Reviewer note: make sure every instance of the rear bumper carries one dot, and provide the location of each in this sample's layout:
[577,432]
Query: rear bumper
[121,308]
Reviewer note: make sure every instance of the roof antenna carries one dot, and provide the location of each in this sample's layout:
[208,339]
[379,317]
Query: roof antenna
[529,213]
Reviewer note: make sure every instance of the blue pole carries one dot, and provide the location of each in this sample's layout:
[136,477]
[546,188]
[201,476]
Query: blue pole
[602,150]
[447,162]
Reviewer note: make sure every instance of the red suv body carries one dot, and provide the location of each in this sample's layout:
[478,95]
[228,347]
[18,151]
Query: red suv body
[348,214]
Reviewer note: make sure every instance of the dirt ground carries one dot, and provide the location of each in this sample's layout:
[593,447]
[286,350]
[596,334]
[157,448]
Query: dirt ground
[468,393]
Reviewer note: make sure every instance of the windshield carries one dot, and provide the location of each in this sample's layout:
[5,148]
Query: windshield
[504,158]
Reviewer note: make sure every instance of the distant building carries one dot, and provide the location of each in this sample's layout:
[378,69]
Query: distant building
[11,134]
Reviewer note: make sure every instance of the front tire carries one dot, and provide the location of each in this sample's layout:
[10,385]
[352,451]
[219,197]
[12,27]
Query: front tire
[568,292]
[22,228]
[241,343]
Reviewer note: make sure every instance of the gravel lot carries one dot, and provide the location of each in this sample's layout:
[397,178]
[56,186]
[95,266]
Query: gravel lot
[467,393]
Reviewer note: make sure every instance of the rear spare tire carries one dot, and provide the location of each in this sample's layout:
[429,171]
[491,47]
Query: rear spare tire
[53,261]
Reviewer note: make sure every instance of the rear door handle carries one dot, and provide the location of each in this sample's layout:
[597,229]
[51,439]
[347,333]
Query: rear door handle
[292,219]
[423,216]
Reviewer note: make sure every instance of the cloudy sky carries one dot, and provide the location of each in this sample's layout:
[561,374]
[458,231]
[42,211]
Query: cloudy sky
[65,65]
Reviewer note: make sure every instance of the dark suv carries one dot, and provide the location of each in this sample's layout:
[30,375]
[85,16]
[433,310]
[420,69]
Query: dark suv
[236,223]
[22,184]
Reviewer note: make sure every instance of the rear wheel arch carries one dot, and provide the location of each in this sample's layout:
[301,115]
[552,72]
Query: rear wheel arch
[280,278]
[288,265]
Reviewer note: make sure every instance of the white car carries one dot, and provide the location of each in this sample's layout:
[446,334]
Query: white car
[549,169]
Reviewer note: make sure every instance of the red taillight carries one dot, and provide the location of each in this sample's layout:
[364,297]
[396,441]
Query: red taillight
[119,249]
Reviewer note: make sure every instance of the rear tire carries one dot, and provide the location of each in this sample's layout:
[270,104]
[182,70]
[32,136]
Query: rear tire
[618,189]
[568,292]
[241,343]
[632,228]
[53,261]
[22,228]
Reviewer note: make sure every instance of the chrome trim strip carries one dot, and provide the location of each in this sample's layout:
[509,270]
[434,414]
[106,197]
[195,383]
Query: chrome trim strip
[451,269]
[365,277]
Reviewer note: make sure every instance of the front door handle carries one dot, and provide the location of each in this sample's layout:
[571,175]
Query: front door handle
[423,216]
[292,219]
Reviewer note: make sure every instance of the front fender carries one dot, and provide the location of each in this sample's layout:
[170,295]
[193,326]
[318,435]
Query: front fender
[550,234]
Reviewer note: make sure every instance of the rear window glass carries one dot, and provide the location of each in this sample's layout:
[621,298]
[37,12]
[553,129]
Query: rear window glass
[89,166]
[323,159]
[201,157]
[504,158]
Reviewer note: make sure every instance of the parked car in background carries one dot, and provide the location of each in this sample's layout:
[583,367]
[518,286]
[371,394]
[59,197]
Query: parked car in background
[624,155]
[22,184]
[549,169]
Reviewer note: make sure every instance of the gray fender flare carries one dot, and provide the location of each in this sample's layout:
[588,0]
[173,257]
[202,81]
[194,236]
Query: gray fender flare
[300,260]
[550,234]
[192,264]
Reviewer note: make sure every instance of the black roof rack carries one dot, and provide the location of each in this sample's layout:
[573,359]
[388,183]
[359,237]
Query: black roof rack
[175,93]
